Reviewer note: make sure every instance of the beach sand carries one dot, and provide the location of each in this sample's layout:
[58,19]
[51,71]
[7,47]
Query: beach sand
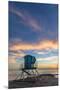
[39,81]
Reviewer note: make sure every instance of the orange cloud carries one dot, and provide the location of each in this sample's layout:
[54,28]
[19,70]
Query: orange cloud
[45,44]
[48,66]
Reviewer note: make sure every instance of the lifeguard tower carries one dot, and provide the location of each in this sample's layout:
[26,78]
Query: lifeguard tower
[30,67]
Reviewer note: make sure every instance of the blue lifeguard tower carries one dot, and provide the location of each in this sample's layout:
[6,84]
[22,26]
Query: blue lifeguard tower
[29,62]
[30,67]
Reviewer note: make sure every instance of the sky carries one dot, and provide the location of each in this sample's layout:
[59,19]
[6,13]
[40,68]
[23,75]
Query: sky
[33,30]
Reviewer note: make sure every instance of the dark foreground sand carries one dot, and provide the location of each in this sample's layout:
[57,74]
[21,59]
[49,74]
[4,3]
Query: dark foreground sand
[34,82]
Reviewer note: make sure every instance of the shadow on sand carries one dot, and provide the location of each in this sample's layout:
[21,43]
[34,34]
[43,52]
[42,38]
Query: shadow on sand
[38,81]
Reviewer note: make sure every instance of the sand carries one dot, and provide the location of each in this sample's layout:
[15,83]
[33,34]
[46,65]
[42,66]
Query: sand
[38,81]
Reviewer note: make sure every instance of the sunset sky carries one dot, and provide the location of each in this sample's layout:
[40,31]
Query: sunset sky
[33,30]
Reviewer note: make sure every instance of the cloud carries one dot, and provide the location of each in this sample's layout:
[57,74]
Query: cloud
[16,54]
[40,52]
[41,45]
[13,61]
[47,66]
[26,19]
[48,62]
[49,59]
[46,52]
[16,50]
